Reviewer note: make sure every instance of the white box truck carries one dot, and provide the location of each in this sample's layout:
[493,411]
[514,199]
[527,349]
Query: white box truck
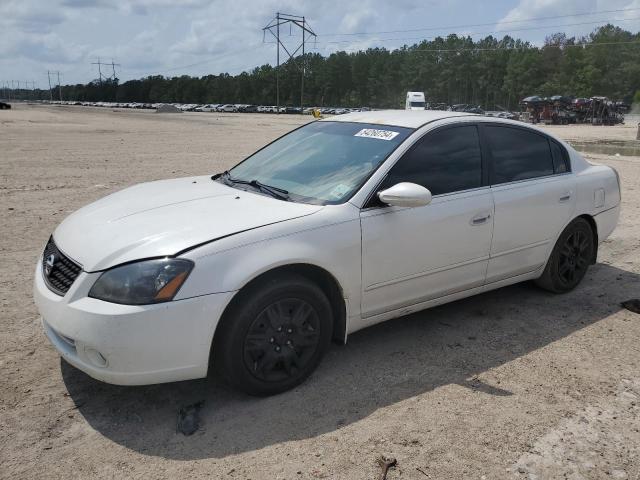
[415,101]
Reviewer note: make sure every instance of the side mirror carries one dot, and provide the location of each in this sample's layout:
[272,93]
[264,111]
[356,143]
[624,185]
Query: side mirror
[405,194]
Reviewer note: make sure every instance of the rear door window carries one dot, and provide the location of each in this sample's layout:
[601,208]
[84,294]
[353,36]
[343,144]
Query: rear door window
[518,154]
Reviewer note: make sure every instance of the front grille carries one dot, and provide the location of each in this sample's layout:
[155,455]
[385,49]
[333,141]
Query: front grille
[59,271]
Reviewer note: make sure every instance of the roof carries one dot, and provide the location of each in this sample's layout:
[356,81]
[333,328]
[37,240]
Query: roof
[398,118]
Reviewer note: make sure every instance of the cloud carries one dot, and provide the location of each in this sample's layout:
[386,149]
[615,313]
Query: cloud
[88,4]
[358,20]
[520,16]
[47,47]
[26,16]
[199,37]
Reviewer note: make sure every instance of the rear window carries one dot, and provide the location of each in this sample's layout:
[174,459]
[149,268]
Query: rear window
[560,160]
[518,154]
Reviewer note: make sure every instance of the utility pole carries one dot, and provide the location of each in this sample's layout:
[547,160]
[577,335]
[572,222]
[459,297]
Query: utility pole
[278,64]
[50,92]
[303,69]
[292,20]
[59,86]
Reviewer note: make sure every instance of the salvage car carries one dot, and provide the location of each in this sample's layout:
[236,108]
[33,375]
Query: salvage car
[336,226]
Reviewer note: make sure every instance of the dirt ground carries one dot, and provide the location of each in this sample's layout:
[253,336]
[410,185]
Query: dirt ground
[516,383]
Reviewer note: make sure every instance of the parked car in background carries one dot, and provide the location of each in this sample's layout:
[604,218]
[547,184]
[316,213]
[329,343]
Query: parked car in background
[336,226]
[248,109]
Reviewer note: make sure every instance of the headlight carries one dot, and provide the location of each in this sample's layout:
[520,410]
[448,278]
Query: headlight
[142,283]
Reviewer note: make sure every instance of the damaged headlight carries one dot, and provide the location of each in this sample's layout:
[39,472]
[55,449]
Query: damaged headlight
[142,283]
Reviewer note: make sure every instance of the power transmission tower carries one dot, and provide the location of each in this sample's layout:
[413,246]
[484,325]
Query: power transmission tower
[113,69]
[59,86]
[291,20]
[99,63]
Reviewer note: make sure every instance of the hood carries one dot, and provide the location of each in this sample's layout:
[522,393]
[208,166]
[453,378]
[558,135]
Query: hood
[163,218]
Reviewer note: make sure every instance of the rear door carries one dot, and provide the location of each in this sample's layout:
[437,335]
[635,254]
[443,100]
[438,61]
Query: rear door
[534,196]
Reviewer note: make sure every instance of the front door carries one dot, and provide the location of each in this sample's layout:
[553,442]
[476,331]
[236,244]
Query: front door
[411,255]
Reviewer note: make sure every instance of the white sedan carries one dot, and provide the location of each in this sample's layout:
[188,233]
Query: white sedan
[336,226]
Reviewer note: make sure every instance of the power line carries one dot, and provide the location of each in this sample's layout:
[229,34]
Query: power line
[196,64]
[493,31]
[335,34]
[494,49]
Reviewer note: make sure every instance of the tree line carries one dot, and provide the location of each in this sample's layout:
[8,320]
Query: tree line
[491,73]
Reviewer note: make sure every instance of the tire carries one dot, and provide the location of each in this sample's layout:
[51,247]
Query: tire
[274,335]
[570,258]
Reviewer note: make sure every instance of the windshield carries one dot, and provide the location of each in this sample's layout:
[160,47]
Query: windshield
[417,104]
[322,162]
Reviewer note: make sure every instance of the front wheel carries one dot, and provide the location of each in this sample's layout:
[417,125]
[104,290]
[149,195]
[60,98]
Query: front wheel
[274,335]
[570,258]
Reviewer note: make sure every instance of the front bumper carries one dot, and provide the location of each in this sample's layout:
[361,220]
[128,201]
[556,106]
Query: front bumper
[130,344]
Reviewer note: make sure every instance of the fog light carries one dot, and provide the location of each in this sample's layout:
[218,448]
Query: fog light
[95,357]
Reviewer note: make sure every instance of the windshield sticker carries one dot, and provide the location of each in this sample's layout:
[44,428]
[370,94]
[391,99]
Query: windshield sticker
[375,133]
[339,190]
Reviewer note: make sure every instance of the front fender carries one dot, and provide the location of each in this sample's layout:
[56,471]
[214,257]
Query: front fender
[330,239]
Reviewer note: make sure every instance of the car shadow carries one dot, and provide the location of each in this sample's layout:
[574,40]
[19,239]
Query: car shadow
[379,366]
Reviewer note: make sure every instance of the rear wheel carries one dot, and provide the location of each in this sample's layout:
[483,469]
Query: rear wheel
[570,258]
[274,335]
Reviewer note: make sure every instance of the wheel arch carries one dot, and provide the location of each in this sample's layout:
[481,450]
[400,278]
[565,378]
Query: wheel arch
[594,231]
[318,275]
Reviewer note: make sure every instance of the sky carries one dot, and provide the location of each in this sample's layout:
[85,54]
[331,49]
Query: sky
[199,37]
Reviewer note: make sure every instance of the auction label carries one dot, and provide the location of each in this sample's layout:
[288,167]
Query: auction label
[375,133]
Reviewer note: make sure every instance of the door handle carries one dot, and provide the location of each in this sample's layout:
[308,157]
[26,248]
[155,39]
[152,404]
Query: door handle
[566,196]
[480,219]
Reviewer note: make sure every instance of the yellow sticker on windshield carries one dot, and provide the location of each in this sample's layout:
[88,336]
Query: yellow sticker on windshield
[375,133]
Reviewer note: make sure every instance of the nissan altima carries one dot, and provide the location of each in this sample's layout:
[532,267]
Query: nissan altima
[337,225]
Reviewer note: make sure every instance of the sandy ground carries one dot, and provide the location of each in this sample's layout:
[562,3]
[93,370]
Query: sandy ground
[516,383]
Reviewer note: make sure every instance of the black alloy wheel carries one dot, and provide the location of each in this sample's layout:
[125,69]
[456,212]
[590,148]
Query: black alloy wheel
[574,257]
[572,254]
[282,340]
[273,335]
